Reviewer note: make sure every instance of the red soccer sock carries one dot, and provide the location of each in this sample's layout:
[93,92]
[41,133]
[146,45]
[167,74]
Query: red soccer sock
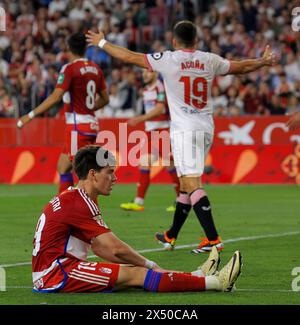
[173,282]
[143,184]
[66,180]
[175,180]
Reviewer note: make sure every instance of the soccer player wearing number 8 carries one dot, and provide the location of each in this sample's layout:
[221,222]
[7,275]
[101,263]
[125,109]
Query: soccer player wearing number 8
[82,87]
[72,222]
[188,75]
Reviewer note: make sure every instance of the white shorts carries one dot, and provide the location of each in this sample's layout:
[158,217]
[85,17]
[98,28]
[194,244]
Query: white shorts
[190,149]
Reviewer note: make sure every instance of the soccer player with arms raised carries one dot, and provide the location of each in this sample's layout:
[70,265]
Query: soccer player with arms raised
[188,75]
[82,87]
[72,223]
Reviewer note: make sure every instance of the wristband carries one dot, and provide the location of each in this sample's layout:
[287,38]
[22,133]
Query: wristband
[19,124]
[150,264]
[102,42]
[31,115]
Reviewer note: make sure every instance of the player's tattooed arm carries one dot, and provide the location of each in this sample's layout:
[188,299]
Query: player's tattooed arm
[116,51]
[246,66]
[54,98]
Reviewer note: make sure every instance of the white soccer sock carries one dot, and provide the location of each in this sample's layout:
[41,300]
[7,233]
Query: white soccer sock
[199,273]
[139,201]
[212,282]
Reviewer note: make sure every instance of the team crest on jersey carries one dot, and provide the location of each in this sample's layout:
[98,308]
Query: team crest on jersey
[99,220]
[105,270]
[157,56]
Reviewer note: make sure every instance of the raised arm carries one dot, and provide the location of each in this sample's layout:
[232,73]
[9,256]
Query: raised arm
[246,66]
[55,97]
[117,52]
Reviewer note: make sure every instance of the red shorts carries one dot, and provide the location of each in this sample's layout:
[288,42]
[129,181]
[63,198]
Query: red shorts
[75,140]
[80,276]
[158,143]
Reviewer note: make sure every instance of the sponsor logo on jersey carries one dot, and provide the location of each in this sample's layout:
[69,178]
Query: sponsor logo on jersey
[61,78]
[157,56]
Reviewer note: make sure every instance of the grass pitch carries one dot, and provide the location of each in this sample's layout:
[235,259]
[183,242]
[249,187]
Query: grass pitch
[263,222]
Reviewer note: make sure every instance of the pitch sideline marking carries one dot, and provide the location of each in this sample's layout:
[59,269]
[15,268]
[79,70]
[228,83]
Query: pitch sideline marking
[149,250]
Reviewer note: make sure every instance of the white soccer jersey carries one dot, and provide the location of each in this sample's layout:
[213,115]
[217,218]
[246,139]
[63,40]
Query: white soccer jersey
[188,77]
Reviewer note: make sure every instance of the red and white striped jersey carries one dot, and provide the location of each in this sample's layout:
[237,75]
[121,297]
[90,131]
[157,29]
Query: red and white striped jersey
[65,230]
[81,80]
[152,95]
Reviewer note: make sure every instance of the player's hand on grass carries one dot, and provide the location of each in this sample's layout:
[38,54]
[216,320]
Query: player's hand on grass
[135,120]
[22,121]
[269,57]
[294,122]
[94,38]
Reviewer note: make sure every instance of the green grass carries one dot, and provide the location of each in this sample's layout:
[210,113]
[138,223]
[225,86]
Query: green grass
[239,211]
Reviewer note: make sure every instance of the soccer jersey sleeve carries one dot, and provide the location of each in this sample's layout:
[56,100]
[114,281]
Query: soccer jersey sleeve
[157,61]
[64,78]
[85,219]
[219,65]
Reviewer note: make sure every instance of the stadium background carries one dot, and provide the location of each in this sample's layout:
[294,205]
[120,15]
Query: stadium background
[33,49]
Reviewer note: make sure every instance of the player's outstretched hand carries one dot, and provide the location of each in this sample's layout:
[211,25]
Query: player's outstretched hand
[269,57]
[94,38]
[294,122]
[22,121]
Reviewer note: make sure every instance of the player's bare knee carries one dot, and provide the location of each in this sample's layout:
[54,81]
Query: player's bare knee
[131,276]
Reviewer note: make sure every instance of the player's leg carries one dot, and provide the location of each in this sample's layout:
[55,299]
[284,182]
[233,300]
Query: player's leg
[183,207]
[142,185]
[183,204]
[202,207]
[146,159]
[175,180]
[64,168]
[174,281]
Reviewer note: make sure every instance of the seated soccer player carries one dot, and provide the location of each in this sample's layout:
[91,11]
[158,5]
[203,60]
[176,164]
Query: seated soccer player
[72,222]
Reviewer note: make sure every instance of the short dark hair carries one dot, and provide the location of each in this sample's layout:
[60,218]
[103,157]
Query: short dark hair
[77,43]
[92,157]
[185,32]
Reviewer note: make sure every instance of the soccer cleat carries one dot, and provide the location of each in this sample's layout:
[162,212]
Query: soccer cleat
[168,243]
[230,272]
[210,266]
[131,206]
[205,246]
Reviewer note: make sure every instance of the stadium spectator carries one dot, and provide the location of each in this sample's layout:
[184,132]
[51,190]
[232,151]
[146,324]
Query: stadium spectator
[228,28]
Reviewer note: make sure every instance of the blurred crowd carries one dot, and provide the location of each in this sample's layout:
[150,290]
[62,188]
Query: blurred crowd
[33,49]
